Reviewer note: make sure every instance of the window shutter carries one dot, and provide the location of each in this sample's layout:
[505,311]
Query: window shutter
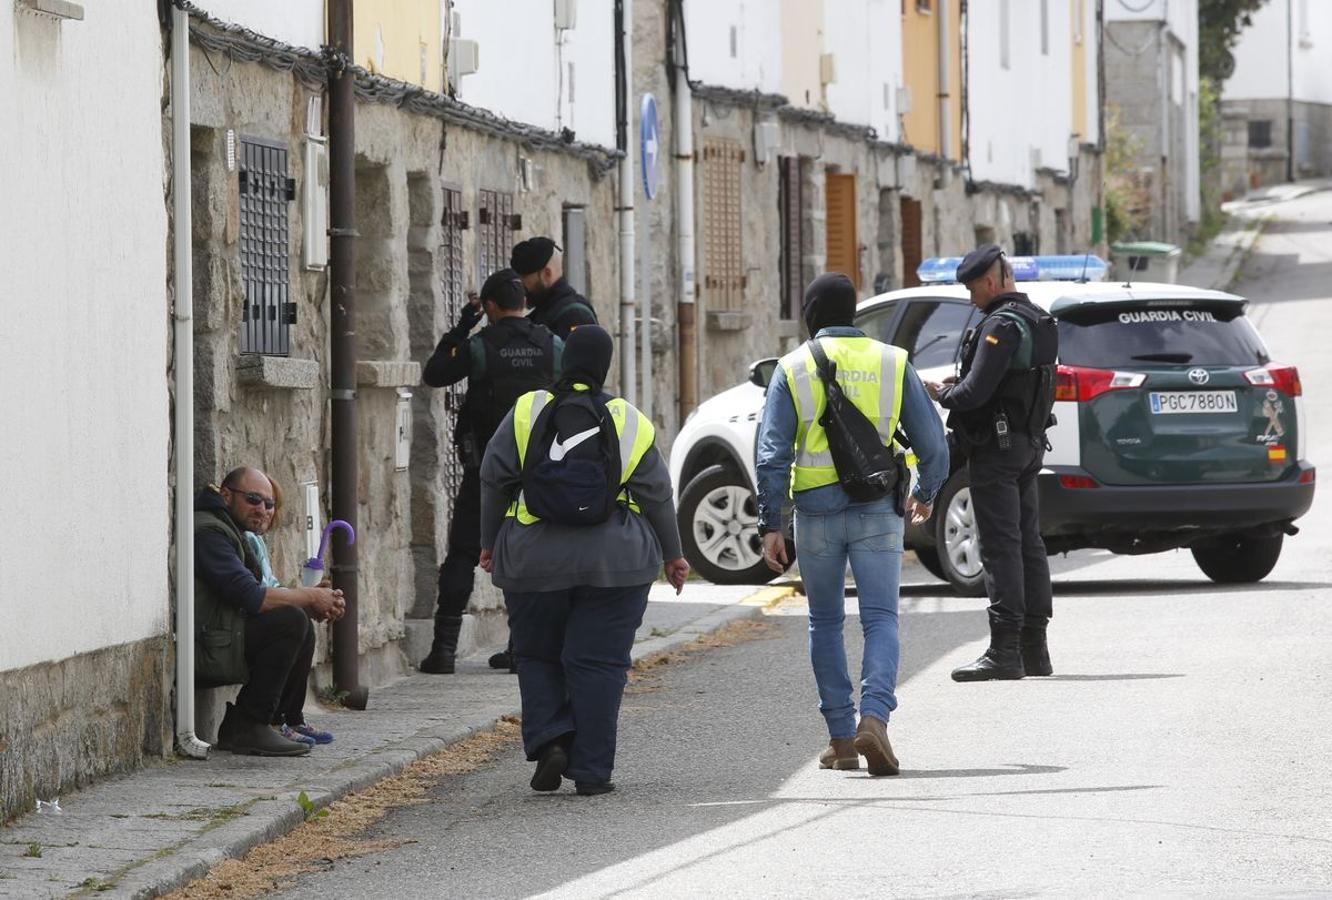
[843,243]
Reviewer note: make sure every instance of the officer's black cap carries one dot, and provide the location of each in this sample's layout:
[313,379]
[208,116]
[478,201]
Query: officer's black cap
[532,255]
[504,289]
[977,262]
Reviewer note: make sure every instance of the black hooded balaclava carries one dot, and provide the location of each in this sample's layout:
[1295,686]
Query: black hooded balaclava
[587,357]
[830,300]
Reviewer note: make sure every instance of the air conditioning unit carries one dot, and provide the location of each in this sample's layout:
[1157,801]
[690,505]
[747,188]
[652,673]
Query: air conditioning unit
[566,14]
[767,136]
[314,225]
[464,58]
[827,68]
[904,100]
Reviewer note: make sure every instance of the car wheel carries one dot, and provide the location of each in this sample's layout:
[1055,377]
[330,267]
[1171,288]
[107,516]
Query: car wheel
[718,518]
[1236,559]
[929,558]
[957,539]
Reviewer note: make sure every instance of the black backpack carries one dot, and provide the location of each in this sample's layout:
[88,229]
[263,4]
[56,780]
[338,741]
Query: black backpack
[571,471]
[866,468]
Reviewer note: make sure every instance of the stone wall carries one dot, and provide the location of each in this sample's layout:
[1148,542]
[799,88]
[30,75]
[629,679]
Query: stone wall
[273,411]
[1267,165]
[64,724]
[1135,82]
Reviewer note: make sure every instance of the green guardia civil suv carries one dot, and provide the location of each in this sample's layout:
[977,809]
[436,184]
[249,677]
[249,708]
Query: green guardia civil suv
[1176,429]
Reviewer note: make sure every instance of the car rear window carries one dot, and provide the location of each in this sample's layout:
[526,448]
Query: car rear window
[1120,337]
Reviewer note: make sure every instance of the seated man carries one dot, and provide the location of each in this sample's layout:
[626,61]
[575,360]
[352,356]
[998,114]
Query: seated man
[245,632]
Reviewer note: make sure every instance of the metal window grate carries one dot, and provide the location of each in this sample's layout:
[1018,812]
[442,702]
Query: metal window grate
[495,225]
[452,266]
[724,279]
[265,247]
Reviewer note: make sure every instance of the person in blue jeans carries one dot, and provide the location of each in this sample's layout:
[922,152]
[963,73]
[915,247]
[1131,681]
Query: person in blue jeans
[830,528]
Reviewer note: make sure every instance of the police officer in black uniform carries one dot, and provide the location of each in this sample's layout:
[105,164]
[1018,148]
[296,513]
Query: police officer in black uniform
[509,357]
[554,302]
[998,413]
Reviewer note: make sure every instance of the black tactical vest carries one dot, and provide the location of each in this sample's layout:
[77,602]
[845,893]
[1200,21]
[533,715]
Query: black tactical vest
[1026,393]
[520,357]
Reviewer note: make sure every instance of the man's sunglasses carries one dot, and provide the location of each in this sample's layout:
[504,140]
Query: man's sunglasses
[254,498]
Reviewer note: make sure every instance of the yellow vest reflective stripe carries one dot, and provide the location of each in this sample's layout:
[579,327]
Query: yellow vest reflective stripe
[635,430]
[870,373]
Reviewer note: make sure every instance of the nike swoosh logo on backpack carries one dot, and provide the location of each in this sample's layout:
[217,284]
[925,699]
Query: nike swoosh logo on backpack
[559,450]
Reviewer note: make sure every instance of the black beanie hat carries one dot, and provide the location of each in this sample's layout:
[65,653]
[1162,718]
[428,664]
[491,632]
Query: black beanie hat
[830,299]
[587,356]
[532,255]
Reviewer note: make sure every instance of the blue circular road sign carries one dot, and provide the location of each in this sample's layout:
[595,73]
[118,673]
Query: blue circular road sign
[649,142]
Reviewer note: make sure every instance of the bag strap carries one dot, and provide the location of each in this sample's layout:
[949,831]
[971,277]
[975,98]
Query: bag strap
[827,371]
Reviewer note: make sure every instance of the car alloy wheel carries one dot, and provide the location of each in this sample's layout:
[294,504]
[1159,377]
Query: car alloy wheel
[726,528]
[961,539]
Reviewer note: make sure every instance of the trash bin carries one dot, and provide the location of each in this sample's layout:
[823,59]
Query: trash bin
[1145,261]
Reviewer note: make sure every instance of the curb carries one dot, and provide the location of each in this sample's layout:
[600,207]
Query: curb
[1230,270]
[267,820]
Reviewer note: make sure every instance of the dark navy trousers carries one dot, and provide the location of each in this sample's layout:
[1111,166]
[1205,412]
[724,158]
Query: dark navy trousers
[573,661]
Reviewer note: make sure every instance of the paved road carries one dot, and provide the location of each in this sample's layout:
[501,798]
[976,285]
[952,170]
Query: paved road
[1183,747]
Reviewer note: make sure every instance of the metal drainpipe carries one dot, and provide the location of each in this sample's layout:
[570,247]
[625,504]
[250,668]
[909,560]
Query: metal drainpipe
[684,221]
[625,200]
[342,347]
[183,283]
[945,124]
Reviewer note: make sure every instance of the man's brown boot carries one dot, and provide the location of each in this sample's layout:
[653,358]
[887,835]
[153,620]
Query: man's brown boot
[841,754]
[872,743]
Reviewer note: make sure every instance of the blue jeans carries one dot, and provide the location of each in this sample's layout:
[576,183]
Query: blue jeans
[829,531]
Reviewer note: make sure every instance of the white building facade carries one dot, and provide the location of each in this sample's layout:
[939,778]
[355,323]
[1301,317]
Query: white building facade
[84,656]
[1282,78]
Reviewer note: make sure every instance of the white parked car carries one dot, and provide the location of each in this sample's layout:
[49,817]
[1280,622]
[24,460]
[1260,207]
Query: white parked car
[1175,429]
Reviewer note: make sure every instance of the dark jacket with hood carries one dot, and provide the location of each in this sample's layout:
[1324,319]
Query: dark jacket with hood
[228,587]
[562,309]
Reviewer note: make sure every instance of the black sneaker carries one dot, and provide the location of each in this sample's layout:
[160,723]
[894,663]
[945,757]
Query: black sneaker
[550,767]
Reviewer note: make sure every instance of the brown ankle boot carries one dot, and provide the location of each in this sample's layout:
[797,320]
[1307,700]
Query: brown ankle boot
[872,743]
[841,754]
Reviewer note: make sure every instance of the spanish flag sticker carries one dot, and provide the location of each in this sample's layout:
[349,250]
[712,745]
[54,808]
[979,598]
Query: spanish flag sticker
[991,339]
[1276,453]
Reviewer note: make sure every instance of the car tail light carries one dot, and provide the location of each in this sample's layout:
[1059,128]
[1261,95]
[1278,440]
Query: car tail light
[1080,385]
[1285,379]
[1307,476]
[1077,482]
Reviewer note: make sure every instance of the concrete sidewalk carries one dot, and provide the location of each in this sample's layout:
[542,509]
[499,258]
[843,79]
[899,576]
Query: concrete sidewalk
[150,831]
[1218,267]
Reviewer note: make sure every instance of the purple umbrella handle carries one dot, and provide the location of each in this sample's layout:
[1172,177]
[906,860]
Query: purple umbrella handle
[329,528]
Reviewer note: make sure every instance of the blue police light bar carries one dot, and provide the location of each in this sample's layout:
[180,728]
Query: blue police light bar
[1086,267]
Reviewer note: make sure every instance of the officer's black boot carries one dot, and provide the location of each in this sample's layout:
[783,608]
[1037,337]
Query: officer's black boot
[445,647]
[1001,662]
[1035,651]
[505,659]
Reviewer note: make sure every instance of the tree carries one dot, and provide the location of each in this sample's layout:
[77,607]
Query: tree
[1219,25]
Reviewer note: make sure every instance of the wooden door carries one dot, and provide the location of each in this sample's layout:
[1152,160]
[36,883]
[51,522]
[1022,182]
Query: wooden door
[843,242]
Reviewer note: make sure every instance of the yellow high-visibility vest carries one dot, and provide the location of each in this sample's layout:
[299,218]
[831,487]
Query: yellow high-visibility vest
[871,374]
[635,431]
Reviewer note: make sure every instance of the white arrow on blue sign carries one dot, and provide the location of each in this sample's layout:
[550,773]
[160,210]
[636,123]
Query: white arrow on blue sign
[649,143]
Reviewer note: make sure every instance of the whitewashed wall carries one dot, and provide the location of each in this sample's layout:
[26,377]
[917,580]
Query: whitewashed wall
[1260,55]
[866,38]
[753,60]
[296,22]
[1029,104]
[524,69]
[83,398]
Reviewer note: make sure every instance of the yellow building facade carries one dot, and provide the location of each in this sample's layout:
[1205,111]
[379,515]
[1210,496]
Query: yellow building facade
[401,39]
[920,71]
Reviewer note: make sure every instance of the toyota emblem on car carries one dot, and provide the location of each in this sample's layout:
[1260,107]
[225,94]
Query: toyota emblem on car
[1198,376]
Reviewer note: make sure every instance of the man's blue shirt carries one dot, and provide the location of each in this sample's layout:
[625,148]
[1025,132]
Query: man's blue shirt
[777,435]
